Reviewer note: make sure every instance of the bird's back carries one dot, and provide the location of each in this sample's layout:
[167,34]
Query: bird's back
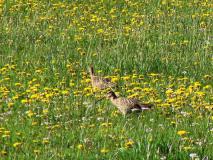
[101,82]
[126,105]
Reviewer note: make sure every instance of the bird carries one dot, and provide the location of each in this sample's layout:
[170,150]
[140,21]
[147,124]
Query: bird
[126,105]
[99,82]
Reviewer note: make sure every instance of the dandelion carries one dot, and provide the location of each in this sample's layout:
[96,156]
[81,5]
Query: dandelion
[17,144]
[24,101]
[11,104]
[37,151]
[106,124]
[34,123]
[45,141]
[45,111]
[104,150]
[29,113]
[80,146]
[182,132]
[99,31]
[3,153]
[129,143]
[126,78]
[186,148]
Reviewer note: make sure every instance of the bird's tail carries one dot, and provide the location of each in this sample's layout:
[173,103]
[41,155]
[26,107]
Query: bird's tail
[146,106]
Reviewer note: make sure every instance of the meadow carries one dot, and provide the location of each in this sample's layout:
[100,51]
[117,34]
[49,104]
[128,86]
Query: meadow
[157,51]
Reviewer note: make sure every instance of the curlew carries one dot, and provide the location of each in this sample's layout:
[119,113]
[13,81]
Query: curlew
[99,82]
[126,105]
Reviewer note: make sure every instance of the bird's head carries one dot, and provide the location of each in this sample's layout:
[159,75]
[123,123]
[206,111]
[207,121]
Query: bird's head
[111,94]
[91,70]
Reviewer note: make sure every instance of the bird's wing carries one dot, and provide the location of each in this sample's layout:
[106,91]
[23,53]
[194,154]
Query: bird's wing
[106,80]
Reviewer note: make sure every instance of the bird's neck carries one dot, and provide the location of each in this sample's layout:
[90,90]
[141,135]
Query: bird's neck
[92,71]
[114,97]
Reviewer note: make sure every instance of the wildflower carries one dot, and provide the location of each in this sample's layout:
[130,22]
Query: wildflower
[34,123]
[10,104]
[187,148]
[17,144]
[80,146]
[182,132]
[35,141]
[18,84]
[18,133]
[100,31]
[3,153]
[34,96]
[38,71]
[72,84]
[153,74]
[129,143]
[7,132]
[65,92]
[114,79]
[45,141]
[24,101]
[104,150]
[15,97]
[207,77]
[45,111]
[197,84]
[37,151]
[126,78]
[29,113]
[105,124]
[169,91]
[88,89]
[207,87]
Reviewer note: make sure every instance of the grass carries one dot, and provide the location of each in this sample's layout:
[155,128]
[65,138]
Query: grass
[157,51]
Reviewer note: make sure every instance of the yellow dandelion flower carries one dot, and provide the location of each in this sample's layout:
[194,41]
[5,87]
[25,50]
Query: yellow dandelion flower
[18,133]
[207,87]
[7,132]
[35,141]
[169,91]
[17,144]
[45,141]
[36,151]
[15,97]
[3,153]
[65,92]
[34,96]
[24,101]
[100,30]
[45,111]
[129,143]
[104,150]
[34,123]
[18,84]
[186,148]
[107,124]
[126,78]
[29,113]
[182,132]
[80,146]
[10,104]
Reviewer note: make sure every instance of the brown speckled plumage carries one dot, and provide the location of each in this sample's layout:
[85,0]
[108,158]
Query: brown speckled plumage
[126,105]
[100,82]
